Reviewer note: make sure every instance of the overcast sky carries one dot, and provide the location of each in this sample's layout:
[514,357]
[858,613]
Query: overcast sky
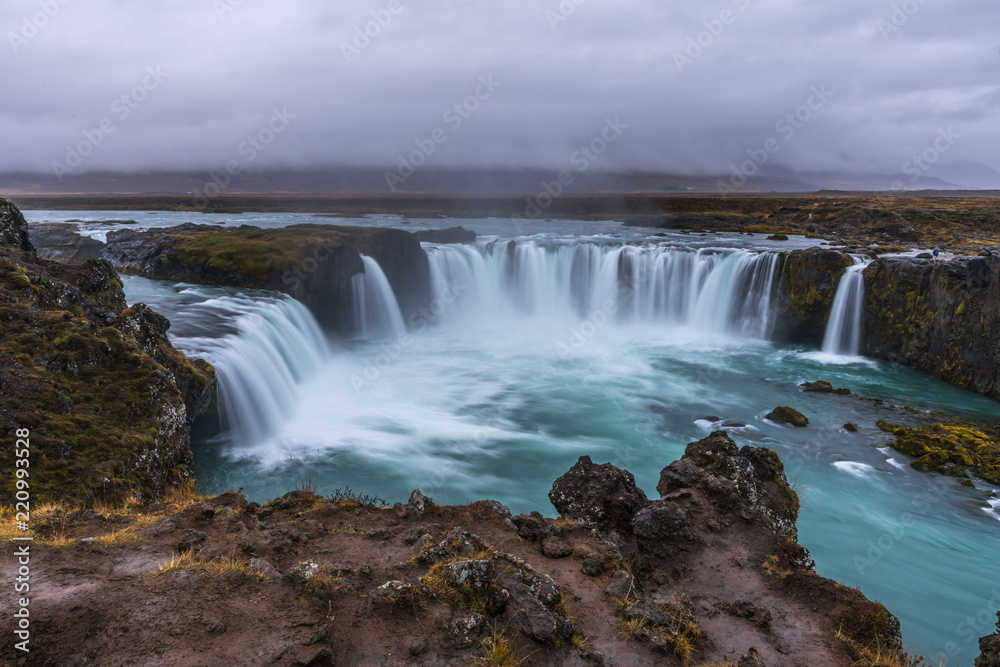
[893,82]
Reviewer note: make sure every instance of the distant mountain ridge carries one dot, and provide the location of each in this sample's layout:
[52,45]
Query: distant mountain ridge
[471,182]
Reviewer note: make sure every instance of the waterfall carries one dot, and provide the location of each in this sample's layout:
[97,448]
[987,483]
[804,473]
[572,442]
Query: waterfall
[274,345]
[718,291]
[843,329]
[376,311]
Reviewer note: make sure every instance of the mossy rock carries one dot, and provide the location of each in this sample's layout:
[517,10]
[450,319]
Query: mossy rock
[953,449]
[107,399]
[787,415]
[823,387]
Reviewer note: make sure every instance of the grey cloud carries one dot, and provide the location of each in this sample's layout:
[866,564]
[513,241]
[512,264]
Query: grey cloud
[893,89]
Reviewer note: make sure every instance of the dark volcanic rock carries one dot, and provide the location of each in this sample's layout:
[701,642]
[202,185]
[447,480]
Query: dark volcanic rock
[13,228]
[62,241]
[748,482]
[823,387]
[602,496]
[941,318]
[450,235]
[989,649]
[786,415]
[805,294]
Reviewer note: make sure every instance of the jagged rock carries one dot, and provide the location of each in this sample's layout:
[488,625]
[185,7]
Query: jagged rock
[420,502]
[556,547]
[601,496]
[663,527]
[534,620]
[478,574]
[622,585]
[13,228]
[545,589]
[533,527]
[786,415]
[390,592]
[749,482]
[777,237]
[989,649]
[100,399]
[450,235]
[61,241]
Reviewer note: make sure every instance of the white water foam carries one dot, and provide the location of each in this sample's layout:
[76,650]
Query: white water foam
[856,468]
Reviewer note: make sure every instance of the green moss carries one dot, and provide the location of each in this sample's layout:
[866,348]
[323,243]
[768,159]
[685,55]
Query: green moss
[94,401]
[953,449]
[786,415]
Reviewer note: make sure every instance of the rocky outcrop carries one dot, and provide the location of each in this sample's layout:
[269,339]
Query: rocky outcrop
[958,450]
[601,496]
[450,235]
[13,228]
[724,514]
[60,240]
[989,649]
[806,291]
[942,318]
[108,401]
[711,575]
[312,263]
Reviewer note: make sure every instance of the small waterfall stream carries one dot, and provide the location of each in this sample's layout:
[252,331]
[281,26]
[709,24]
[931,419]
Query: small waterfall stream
[376,311]
[843,330]
[272,346]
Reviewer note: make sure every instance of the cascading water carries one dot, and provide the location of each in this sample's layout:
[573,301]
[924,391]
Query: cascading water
[711,290]
[262,347]
[843,330]
[279,346]
[376,312]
